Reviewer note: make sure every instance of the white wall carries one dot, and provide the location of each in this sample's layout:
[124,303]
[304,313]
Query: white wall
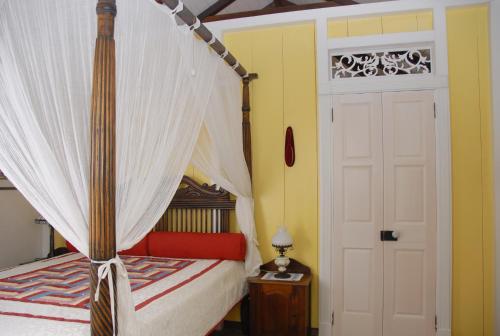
[495,59]
[20,239]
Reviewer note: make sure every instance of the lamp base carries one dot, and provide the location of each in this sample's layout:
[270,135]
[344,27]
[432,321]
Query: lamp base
[281,275]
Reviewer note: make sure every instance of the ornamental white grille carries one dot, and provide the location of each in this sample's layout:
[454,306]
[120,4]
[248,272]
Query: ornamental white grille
[410,61]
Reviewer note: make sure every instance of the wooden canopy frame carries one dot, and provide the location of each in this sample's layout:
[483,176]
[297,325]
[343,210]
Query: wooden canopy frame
[102,225]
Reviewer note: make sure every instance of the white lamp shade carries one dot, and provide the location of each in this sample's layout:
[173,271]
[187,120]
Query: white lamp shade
[282,238]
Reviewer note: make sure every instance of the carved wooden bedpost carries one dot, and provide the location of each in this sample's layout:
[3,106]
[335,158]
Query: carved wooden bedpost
[102,239]
[247,133]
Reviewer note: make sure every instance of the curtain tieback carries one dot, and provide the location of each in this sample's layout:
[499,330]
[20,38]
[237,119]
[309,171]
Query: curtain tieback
[224,54]
[104,271]
[179,8]
[195,25]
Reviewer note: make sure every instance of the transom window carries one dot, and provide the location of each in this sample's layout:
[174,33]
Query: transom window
[396,62]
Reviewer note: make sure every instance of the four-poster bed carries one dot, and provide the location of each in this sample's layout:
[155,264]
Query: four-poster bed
[102,228]
[168,292]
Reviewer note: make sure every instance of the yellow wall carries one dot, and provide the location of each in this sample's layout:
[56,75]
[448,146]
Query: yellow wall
[373,25]
[277,98]
[284,95]
[196,175]
[59,240]
[473,234]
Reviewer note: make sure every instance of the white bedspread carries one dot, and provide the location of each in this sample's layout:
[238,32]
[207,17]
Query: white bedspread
[189,302]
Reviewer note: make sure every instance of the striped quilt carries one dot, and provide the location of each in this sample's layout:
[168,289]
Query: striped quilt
[67,283]
[51,297]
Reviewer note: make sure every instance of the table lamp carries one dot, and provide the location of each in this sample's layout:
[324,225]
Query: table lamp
[282,241]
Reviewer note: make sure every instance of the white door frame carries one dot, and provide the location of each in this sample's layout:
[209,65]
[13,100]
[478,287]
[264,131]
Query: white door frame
[438,82]
[495,77]
[443,188]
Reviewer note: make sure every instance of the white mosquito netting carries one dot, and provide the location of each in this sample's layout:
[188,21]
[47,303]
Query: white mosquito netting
[170,88]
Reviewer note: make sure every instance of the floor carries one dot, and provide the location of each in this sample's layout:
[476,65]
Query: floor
[229,330]
[235,330]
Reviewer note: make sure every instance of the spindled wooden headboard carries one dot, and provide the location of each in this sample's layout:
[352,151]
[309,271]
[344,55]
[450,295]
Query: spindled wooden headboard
[197,208]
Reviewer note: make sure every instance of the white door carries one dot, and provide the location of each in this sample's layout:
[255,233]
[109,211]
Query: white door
[410,210]
[384,179]
[358,215]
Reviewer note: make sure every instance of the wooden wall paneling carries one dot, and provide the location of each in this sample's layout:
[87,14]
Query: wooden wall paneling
[242,49]
[285,89]
[471,170]
[385,24]
[337,28]
[267,131]
[301,180]
[371,25]
[425,20]
[398,23]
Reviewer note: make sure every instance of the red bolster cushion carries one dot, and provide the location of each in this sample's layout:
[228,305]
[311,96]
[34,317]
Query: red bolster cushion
[226,246]
[70,247]
[139,249]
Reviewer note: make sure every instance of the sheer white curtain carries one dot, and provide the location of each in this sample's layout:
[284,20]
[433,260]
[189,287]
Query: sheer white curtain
[46,56]
[219,155]
[164,81]
[45,74]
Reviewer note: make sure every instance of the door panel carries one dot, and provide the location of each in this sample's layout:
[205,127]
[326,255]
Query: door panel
[409,209]
[384,179]
[358,198]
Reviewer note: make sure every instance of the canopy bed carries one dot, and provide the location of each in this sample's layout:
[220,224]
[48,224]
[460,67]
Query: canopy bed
[175,278]
[104,179]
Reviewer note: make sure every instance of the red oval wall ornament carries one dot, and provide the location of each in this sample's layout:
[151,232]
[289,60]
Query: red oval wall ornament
[289,147]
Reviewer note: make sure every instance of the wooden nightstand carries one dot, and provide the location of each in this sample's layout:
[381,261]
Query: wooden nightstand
[280,308]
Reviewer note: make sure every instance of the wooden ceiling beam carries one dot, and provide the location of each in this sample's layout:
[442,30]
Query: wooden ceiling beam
[344,2]
[215,8]
[279,3]
[283,3]
[275,10]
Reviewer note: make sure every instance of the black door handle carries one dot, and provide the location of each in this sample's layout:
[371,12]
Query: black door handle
[389,235]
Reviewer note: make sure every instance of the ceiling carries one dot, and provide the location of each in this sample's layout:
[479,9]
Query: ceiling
[198,6]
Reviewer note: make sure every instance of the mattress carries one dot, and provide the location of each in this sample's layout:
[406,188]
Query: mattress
[172,296]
